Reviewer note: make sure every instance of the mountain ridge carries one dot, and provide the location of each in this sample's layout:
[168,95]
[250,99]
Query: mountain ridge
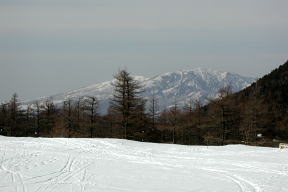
[182,85]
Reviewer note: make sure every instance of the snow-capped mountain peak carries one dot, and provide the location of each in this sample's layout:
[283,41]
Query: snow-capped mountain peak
[182,85]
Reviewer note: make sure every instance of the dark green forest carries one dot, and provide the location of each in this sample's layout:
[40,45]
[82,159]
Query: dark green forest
[257,115]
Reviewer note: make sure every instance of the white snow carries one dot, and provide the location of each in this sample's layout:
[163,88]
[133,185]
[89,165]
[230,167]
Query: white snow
[108,165]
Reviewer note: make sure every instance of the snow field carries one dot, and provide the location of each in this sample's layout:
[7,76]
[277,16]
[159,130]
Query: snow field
[110,165]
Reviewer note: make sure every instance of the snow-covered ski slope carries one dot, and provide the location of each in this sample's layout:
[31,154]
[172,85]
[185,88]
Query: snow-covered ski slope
[70,165]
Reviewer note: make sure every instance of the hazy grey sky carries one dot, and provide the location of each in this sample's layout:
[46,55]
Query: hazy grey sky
[50,46]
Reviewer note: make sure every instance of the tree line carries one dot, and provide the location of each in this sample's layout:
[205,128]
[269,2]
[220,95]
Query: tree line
[224,120]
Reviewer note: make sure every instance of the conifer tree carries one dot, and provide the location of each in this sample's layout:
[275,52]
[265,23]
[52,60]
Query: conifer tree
[127,102]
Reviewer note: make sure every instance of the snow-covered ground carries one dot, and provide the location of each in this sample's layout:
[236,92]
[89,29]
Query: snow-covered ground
[70,165]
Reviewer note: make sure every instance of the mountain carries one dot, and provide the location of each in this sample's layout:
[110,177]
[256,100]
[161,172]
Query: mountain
[198,83]
[181,86]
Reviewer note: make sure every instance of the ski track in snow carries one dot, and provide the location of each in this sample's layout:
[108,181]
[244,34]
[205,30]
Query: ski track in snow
[84,165]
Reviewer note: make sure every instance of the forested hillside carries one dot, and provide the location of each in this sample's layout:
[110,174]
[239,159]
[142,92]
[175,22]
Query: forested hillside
[272,92]
[263,107]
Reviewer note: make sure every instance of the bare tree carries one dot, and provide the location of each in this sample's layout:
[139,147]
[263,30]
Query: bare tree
[126,99]
[28,115]
[153,109]
[37,130]
[78,110]
[225,91]
[49,117]
[223,117]
[14,110]
[189,110]
[4,118]
[68,115]
[91,105]
[174,120]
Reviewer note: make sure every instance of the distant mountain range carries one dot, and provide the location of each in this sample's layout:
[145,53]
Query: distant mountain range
[179,86]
